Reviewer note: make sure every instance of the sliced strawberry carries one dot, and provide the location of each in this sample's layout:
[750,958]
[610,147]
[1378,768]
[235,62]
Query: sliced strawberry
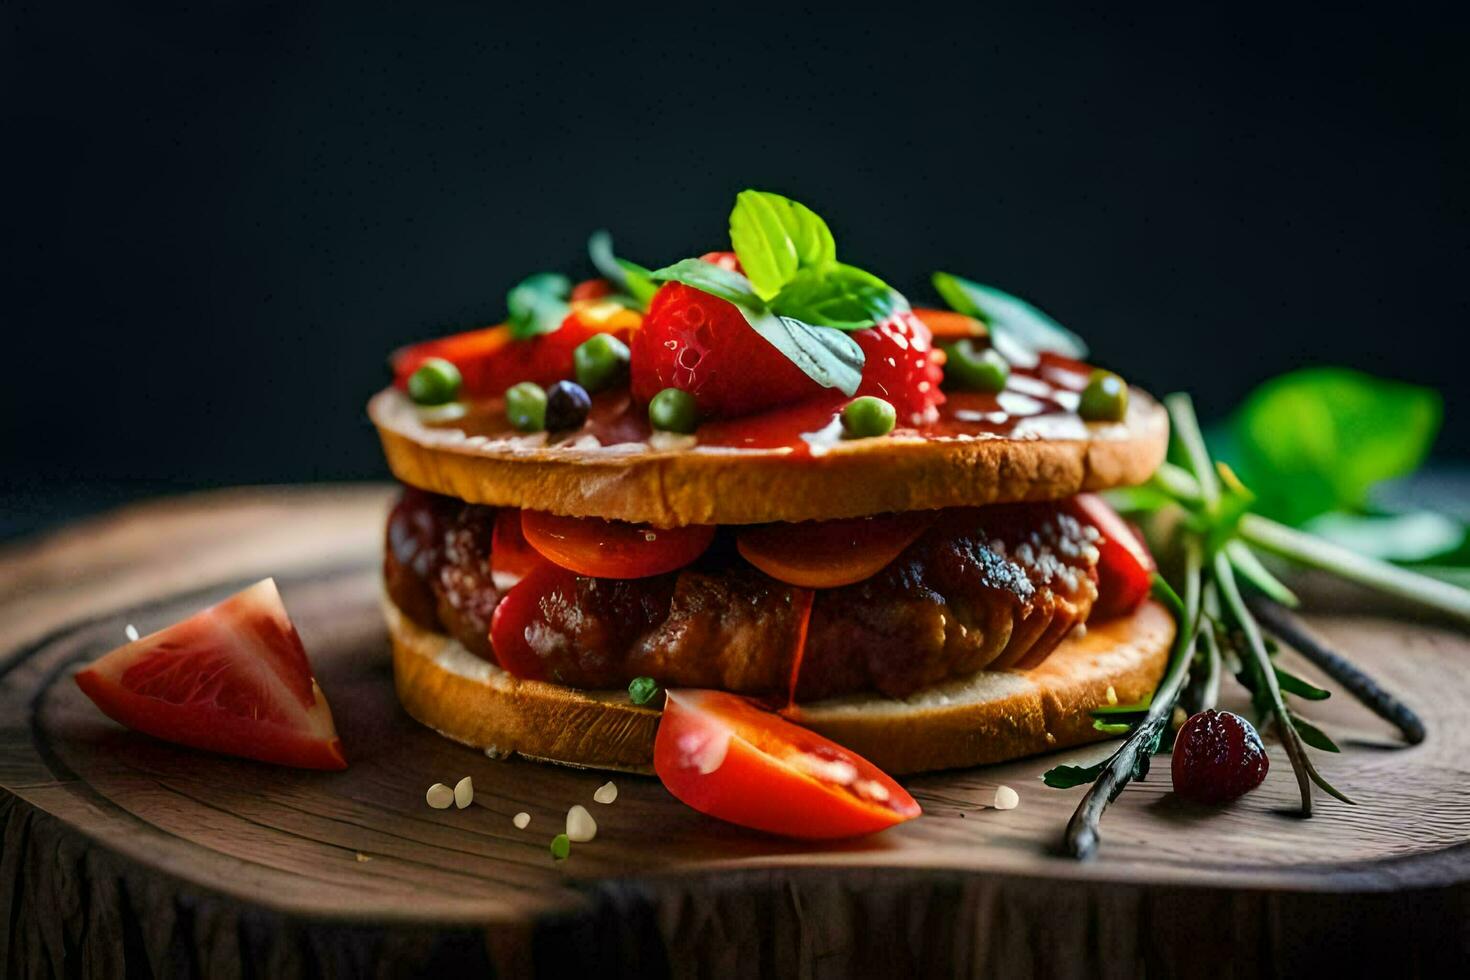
[1125,568]
[697,343]
[232,679]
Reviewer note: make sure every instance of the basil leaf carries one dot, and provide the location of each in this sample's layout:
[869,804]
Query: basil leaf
[1017,329]
[1318,439]
[837,295]
[1065,777]
[826,355]
[630,278]
[774,236]
[538,304]
[1420,535]
[707,277]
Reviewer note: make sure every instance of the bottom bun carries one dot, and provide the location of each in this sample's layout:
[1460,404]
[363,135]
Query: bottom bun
[990,717]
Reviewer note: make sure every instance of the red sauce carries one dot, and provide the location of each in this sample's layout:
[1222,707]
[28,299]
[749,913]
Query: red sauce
[1036,401]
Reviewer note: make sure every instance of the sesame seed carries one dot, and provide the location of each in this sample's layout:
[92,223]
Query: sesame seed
[464,792]
[1112,695]
[580,825]
[606,793]
[522,820]
[1006,798]
[439,796]
[131,632]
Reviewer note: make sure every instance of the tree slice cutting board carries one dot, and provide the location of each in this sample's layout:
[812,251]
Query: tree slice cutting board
[123,855]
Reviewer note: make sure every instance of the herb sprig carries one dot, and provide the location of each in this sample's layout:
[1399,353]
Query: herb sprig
[1220,625]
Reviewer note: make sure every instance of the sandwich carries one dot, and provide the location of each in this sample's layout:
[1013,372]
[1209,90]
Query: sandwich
[764,472]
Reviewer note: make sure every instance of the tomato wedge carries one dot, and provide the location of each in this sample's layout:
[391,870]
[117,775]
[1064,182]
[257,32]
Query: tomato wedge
[232,679]
[725,757]
[613,549]
[949,325]
[511,558]
[826,554]
[1125,568]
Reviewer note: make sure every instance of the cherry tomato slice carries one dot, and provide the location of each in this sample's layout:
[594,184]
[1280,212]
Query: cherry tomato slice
[233,679]
[516,614]
[613,549]
[1124,567]
[511,558]
[727,758]
[827,554]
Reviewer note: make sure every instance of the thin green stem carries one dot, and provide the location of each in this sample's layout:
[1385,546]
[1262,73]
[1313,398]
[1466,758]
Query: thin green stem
[1256,644]
[1082,834]
[1314,552]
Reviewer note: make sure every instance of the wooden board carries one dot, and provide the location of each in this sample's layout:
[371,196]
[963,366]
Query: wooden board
[121,853]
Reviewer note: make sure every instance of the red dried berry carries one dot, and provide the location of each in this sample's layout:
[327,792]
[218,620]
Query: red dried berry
[1217,757]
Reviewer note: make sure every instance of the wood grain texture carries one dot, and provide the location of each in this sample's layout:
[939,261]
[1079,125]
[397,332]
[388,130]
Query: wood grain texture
[124,855]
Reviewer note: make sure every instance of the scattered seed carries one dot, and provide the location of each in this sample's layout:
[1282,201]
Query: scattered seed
[439,796]
[606,793]
[130,631]
[464,792]
[561,846]
[495,752]
[1178,718]
[1006,798]
[1112,695]
[362,858]
[522,820]
[580,825]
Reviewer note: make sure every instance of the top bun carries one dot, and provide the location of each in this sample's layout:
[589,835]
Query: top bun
[673,483]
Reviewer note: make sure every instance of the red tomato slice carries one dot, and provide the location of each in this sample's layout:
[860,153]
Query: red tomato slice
[826,554]
[515,615]
[1124,567]
[232,679]
[490,360]
[723,756]
[613,549]
[949,325]
[511,558]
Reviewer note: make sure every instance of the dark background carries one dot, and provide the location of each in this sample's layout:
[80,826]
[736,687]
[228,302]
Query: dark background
[218,221]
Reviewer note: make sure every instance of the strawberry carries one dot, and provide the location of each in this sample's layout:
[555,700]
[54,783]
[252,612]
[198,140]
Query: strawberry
[703,345]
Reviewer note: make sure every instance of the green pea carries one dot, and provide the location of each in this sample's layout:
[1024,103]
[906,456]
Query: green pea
[561,846]
[1105,399]
[673,410]
[436,382]
[642,690]
[525,406]
[981,370]
[868,416]
[601,362]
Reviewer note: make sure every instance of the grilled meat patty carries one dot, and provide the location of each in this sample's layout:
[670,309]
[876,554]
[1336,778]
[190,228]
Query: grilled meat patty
[984,588]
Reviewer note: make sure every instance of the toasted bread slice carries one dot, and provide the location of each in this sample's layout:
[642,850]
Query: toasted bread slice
[671,487]
[990,717]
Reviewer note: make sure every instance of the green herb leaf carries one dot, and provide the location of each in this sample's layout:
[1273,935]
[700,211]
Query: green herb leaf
[1250,568]
[707,277]
[1313,735]
[1017,329]
[774,236]
[1112,727]
[1318,439]
[538,304]
[825,354]
[838,295]
[1065,777]
[630,278]
[1136,708]
[1292,684]
[1418,536]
